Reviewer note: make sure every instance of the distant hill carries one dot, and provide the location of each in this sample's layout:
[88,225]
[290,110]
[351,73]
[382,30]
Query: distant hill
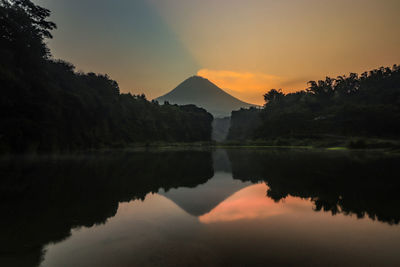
[203,93]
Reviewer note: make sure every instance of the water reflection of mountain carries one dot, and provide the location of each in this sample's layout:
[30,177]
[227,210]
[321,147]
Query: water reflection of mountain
[202,199]
[42,199]
[360,183]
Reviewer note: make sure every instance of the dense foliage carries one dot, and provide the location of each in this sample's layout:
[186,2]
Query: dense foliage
[366,105]
[46,106]
[244,122]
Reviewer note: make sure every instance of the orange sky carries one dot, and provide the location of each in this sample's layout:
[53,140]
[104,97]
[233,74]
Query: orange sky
[250,86]
[246,47]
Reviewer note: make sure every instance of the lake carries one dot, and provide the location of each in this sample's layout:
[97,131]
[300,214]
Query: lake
[201,207]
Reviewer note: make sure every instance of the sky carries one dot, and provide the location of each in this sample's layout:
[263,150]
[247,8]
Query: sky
[245,47]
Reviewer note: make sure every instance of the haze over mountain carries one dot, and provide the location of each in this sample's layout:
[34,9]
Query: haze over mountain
[203,93]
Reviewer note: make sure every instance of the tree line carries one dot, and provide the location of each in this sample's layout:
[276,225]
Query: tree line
[366,105]
[47,106]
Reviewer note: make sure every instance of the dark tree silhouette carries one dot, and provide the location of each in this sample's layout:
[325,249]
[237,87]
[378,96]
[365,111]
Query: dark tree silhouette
[273,95]
[366,105]
[47,106]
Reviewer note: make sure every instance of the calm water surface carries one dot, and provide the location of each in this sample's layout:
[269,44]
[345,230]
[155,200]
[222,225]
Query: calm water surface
[202,208]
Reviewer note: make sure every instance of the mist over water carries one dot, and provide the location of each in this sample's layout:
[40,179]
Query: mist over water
[236,207]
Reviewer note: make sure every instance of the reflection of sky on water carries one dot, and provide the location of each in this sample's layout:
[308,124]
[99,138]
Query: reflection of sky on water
[251,203]
[246,227]
[202,199]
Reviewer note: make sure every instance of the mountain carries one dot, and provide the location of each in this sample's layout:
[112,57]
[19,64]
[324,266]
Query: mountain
[203,93]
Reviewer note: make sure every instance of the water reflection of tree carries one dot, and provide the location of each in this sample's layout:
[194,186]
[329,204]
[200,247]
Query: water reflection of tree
[364,184]
[43,199]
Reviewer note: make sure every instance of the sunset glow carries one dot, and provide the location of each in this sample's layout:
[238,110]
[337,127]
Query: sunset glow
[251,203]
[245,47]
[244,85]
[200,133]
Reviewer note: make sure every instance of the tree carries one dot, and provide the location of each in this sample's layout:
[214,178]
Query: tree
[273,95]
[47,106]
[23,29]
[366,105]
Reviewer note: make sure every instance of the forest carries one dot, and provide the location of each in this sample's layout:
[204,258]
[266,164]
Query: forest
[361,106]
[47,106]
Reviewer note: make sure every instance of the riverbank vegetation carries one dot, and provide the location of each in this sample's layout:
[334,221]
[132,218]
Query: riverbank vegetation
[47,106]
[355,110]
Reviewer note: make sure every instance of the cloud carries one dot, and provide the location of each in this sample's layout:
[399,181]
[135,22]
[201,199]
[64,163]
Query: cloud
[247,86]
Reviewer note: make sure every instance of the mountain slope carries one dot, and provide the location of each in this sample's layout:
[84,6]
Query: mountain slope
[203,93]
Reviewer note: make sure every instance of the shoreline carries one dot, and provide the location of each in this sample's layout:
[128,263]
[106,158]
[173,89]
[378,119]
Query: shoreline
[367,145]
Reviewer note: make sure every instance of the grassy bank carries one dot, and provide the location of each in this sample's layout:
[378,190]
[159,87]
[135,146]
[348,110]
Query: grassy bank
[336,142]
[288,143]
